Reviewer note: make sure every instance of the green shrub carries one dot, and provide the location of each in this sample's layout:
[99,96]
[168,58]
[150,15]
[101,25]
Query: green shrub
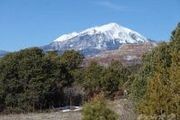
[97,110]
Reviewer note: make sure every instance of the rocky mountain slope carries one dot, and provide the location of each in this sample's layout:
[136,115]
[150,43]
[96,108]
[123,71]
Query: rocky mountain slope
[127,54]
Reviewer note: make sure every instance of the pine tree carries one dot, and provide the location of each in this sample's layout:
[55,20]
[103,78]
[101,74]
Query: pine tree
[162,96]
[92,79]
[175,71]
[157,97]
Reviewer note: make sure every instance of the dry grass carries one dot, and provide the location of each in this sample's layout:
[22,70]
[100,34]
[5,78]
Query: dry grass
[123,107]
[44,116]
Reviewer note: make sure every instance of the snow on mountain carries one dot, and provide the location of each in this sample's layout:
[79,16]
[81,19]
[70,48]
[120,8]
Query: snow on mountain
[66,37]
[96,39]
[2,53]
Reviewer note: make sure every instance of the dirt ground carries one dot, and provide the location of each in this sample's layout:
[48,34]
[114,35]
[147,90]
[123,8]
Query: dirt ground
[123,107]
[44,116]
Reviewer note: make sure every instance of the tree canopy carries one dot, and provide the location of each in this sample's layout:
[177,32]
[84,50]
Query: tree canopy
[31,79]
[157,86]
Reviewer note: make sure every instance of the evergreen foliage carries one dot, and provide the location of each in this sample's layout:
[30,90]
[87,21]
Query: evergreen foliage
[98,110]
[159,80]
[31,79]
[108,79]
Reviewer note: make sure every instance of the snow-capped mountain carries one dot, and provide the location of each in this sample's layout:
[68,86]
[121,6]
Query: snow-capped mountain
[2,53]
[96,39]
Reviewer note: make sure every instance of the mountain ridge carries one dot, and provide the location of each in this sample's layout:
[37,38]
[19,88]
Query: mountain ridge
[95,40]
[2,53]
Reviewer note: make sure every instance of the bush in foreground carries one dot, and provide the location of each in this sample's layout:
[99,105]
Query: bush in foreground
[97,110]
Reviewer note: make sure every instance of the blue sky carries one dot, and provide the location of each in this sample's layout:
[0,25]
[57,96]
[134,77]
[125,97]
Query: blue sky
[27,23]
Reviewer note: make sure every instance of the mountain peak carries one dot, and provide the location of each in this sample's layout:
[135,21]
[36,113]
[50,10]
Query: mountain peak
[105,27]
[112,30]
[102,28]
[109,26]
[96,39]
